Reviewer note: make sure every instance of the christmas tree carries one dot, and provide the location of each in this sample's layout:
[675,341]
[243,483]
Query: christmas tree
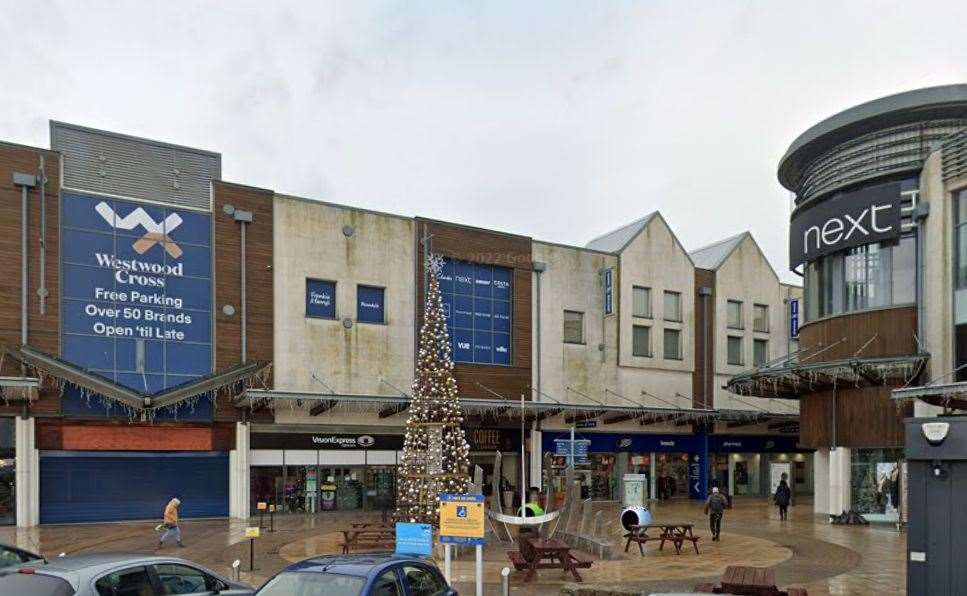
[435,451]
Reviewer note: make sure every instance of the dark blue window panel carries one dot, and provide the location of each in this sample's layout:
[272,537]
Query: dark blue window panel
[145,383]
[79,212]
[126,350]
[502,283]
[195,228]
[76,319]
[501,316]
[483,281]
[85,246]
[110,486]
[463,345]
[123,209]
[482,317]
[446,278]
[369,304]
[199,330]
[463,278]
[81,282]
[194,293]
[501,348]
[196,261]
[188,359]
[89,352]
[200,410]
[447,301]
[320,299]
[483,347]
[462,312]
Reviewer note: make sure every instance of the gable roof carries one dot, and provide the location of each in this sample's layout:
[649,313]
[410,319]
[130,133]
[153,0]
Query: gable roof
[713,255]
[617,240]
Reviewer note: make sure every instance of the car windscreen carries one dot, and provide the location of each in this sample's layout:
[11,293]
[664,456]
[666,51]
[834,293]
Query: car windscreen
[304,583]
[30,584]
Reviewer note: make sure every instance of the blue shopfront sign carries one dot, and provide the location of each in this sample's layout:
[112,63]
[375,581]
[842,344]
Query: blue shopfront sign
[320,299]
[370,304]
[754,444]
[137,294]
[616,442]
[477,304]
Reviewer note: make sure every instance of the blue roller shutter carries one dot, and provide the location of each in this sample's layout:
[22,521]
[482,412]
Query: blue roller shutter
[89,486]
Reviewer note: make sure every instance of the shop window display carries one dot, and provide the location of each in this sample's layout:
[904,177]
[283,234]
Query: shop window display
[672,479]
[875,486]
[8,473]
[603,483]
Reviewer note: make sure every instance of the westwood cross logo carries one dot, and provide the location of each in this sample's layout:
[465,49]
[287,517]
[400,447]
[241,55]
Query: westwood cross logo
[154,232]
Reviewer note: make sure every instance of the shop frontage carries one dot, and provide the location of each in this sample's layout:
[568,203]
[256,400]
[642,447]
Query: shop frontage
[8,473]
[312,472]
[750,465]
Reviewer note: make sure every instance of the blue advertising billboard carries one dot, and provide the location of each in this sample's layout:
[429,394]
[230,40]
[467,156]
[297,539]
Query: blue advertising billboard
[477,304]
[137,296]
[320,299]
[370,307]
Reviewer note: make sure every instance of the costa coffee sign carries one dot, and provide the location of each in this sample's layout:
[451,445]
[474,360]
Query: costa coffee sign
[869,215]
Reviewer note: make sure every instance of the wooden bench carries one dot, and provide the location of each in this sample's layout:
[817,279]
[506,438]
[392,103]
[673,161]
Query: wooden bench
[678,540]
[367,539]
[517,560]
[748,581]
[581,560]
[640,538]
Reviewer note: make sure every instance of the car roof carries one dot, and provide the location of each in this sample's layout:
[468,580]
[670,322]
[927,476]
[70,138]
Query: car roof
[361,565]
[95,560]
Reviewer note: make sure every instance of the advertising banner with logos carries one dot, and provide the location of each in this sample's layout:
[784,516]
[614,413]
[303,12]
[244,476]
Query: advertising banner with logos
[137,291]
[477,304]
[326,441]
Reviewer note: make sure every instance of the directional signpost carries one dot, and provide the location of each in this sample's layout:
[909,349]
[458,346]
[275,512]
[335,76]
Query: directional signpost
[462,522]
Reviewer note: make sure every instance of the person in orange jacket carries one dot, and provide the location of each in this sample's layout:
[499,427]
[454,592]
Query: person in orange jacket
[170,524]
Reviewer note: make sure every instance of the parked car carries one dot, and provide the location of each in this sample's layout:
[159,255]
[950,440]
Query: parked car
[359,575]
[11,555]
[110,574]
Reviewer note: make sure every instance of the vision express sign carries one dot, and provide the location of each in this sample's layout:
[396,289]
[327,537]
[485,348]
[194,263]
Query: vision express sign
[326,441]
[849,219]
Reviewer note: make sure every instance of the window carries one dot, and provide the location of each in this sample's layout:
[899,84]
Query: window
[320,299]
[734,308]
[387,585]
[423,582]
[573,327]
[960,241]
[673,306]
[735,350]
[641,341]
[477,305]
[369,304]
[673,344]
[760,352]
[182,579]
[760,318]
[641,298]
[127,582]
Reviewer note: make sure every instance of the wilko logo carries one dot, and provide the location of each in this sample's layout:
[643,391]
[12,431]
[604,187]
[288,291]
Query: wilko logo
[154,232]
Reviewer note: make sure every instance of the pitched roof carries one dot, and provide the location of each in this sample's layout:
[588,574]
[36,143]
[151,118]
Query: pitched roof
[616,240]
[713,255]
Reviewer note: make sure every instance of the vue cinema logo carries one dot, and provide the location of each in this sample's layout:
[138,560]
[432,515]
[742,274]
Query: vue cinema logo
[154,232]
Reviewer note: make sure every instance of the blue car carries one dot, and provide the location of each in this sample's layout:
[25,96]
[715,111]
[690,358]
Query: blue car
[359,575]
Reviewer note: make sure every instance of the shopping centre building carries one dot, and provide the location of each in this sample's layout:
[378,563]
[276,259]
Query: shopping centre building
[166,332]
[878,233]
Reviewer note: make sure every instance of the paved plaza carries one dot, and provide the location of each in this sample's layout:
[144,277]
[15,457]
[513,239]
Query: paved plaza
[804,551]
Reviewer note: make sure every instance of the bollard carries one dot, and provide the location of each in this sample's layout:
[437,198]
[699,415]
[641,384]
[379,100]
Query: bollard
[505,581]
[272,518]
[235,573]
[251,554]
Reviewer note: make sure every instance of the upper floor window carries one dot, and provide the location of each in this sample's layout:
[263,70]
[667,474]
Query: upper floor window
[673,344]
[960,240]
[370,306]
[641,298]
[760,318]
[641,340]
[862,277]
[734,312]
[734,349]
[573,327]
[760,352]
[673,306]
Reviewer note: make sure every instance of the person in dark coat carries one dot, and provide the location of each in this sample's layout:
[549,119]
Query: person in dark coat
[782,498]
[715,508]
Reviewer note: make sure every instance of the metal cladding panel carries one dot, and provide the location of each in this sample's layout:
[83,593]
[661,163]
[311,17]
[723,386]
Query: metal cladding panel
[119,165]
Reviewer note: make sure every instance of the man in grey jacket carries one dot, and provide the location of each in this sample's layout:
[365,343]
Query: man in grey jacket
[715,507]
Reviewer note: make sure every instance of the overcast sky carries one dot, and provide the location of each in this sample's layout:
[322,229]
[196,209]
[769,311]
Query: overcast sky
[557,120]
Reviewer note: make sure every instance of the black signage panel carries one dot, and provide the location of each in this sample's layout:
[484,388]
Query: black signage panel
[493,439]
[868,215]
[326,441]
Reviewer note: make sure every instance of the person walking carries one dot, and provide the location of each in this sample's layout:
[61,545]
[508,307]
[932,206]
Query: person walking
[715,508]
[782,497]
[170,524]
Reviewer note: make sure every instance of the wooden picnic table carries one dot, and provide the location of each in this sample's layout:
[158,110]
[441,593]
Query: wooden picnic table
[549,551]
[367,537]
[749,581]
[675,532]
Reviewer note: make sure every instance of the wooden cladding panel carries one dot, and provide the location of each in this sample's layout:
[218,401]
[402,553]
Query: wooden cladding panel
[258,258]
[489,248]
[889,331]
[703,378]
[121,436]
[865,417]
[43,330]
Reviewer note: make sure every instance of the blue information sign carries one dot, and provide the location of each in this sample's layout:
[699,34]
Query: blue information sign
[369,304]
[581,446]
[477,305]
[794,317]
[320,299]
[137,295]
[609,291]
[414,539]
